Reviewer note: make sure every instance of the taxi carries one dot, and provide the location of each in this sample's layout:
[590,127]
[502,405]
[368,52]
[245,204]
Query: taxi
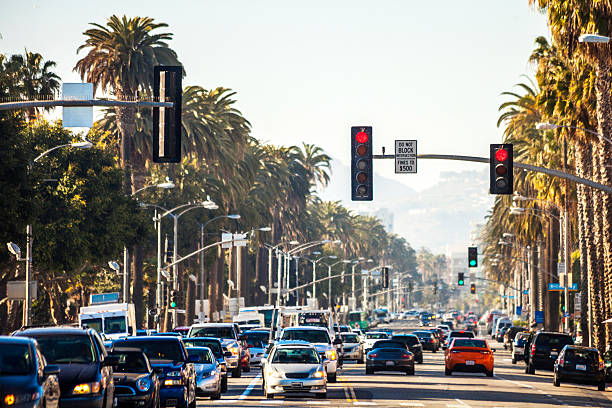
[470,355]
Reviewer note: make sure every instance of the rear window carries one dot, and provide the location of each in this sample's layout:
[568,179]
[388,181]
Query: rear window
[582,356]
[156,350]
[214,346]
[67,349]
[466,334]
[389,344]
[205,356]
[376,336]
[349,338]
[223,332]
[257,339]
[15,359]
[131,362]
[409,340]
[553,340]
[470,343]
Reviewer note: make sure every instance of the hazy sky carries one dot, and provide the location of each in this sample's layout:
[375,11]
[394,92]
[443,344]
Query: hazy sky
[307,71]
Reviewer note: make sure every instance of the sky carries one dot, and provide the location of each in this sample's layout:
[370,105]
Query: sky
[307,71]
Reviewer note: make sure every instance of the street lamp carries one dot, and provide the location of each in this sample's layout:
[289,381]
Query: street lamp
[165,185]
[329,286]
[314,270]
[593,38]
[553,126]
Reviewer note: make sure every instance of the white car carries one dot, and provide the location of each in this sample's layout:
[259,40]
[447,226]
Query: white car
[352,346]
[373,337]
[294,367]
[319,338]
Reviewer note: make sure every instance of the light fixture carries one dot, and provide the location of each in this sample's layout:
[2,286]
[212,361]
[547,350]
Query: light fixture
[166,184]
[507,235]
[294,242]
[346,261]
[193,278]
[337,242]
[14,249]
[165,274]
[84,144]
[230,283]
[546,126]
[264,229]
[234,216]
[593,38]
[316,253]
[308,293]
[114,266]
[263,289]
[332,257]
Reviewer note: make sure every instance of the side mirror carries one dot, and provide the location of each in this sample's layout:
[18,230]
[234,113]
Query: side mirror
[111,361]
[493,350]
[51,370]
[193,358]
[227,354]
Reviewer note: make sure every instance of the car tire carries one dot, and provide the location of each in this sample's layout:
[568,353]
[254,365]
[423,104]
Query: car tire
[237,372]
[322,395]
[448,371]
[601,386]
[556,380]
[216,396]
[489,373]
[410,372]
[369,371]
[420,360]
[332,378]
[224,384]
[433,350]
[268,395]
[513,360]
[531,369]
[247,369]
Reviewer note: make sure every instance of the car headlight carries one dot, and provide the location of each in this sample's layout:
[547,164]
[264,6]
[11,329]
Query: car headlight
[206,374]
[86,388]
[143,384]
[234,350]
[173,382]
[173,374]
[318,374]
[274,373]
[330,354]
[11,399]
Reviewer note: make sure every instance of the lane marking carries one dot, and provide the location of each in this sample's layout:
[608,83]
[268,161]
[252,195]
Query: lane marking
[318,402]
[515,383]
[250,387]
[229,401]
[364,403]
[463,404]
[411,404]
[272,402]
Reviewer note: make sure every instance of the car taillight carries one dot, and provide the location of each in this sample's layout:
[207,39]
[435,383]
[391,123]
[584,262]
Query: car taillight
[601,364]
[532,350]
[485,352]
[561,361]
[372,355]
[406,355]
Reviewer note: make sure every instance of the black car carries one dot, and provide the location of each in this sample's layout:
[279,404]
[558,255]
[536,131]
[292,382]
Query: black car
[25,378]
[389,355]
[176,376]
[428,340]
[214,344]
[136,382]
[86,373]
[545,348]
[581,365]
[413,343]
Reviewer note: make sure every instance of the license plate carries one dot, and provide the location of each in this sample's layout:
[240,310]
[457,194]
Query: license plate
[296,384]
[581,367]
[554,354]
[390,363]
[469,362]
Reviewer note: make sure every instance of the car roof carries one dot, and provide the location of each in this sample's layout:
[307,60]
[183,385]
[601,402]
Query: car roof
[403,335]
[150,338]
[202,338]
[376,332]
[15,340]
[293,343]
[201,348]
[70,330]
[126,350]
[306,328]
[199,325]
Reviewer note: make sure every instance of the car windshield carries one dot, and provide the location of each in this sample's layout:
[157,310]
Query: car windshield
[131,362]
[409,340]
[222,332]
[214,346]
[553,340]
[311,336]
[256,339]
[349,338]
[376,336]
[114,325]
[67,349]
[15,359]
[156,350]
[205,357]
[389,344]
[470,343]
[95,324]
[298,355]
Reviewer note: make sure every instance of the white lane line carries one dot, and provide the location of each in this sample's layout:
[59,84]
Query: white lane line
[411,404]
[315,402]
[463,404]
[230,401]
[272,402]
[515,383]
[250,387]
[364,403]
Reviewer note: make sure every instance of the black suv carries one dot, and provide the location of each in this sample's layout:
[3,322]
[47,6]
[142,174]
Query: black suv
[581,365]
[544,349]
[413,343]
[86,374]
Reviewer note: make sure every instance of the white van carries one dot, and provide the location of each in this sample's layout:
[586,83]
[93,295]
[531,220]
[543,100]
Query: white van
[115,320]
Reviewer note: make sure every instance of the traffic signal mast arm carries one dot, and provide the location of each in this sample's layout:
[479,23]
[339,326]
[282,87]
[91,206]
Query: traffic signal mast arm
[83,103]
[538,169]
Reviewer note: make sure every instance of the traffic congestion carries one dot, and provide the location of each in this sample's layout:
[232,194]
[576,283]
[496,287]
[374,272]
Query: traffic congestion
[300,356]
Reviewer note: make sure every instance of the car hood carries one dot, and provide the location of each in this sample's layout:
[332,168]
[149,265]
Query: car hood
[128,378]
[167,365]
[16,383]
[71,374]
[322,347]
[296,368]
[200,368]
[229,343]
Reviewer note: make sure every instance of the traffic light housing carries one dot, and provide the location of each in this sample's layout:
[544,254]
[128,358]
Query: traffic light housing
[472,257]
[473,288]
[460,279]
[167,127]
[172,303]
[501,166]
[385,277]
[361,163]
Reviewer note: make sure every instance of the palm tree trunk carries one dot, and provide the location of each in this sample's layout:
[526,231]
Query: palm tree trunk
[585,214]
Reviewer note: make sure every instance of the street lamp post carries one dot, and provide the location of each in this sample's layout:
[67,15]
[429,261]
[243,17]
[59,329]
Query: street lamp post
[314,271]
[329,285]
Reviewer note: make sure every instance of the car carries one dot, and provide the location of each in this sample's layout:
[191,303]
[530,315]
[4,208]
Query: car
[216,348]
[352,347]
[518,346]
[294,367]
[182,330]
[390,355]
[449,323]
[176,371]
[509,336]
[501,323]
[25,378]
[501,333]
[372,337]
[319,338]
[136,381]
[228,334]
[470,355]
[245,355]
[256,341]
[413,343]
[458,333]
[208,373]
[86,373]
[581,365]
[428,340]
[545,348]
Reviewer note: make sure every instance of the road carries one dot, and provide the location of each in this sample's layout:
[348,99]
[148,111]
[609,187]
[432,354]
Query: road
[510,387]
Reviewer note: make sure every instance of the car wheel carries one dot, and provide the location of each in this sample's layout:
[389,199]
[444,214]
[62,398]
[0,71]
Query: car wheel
[513,360]
[489,373]
[322,395]
[420,360]
[410,372]
[434,350]
[531,369]
[448,371]
[237,372]
[216,396]
[332,378]
[369,371]
[601,386]
[224,384]
[268,395]
[556,381]
[247,368]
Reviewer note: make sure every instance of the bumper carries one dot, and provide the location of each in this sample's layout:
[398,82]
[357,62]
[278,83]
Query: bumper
[306,385]
[352,355]
[398,365]
[173,396]
[209,385]
[78,402]
[136,401]
[429,346]
[543,363]
[580,377]
[232,362]
[331,367]
[477,367]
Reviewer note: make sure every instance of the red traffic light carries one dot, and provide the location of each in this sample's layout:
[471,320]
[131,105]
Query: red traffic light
[501,155]
[361,137]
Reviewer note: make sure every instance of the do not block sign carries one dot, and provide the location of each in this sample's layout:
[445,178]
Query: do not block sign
[405,156]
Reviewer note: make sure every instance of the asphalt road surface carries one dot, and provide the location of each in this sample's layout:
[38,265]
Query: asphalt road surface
[510,387]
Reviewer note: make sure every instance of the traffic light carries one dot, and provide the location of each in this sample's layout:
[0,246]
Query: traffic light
[385,277]
[460,280]
[472,257]
[473,288]
[361,163]
[167,128]
[501,166]
[172,299]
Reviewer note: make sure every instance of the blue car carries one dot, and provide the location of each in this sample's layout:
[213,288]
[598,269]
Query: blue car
[208,373]
[175,366]
[214,344]
[21,382]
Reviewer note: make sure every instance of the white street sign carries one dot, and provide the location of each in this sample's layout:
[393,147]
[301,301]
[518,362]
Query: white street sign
[560,268]
[240,240]
[405,156]
[577,302]
[226,237]
[16,290]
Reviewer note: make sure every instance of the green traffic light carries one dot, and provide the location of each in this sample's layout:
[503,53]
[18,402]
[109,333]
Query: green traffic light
[461,283]
[472,263]
[173,304]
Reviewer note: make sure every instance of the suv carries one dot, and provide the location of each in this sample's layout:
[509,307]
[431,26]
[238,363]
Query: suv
[228,334]
[458,333]
[544,350]
[580,365]
[86,374]
[413,343]
[175,366]
[318,337]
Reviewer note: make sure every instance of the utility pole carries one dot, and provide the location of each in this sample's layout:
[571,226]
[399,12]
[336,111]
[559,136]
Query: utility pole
[269,275]
[28,268]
